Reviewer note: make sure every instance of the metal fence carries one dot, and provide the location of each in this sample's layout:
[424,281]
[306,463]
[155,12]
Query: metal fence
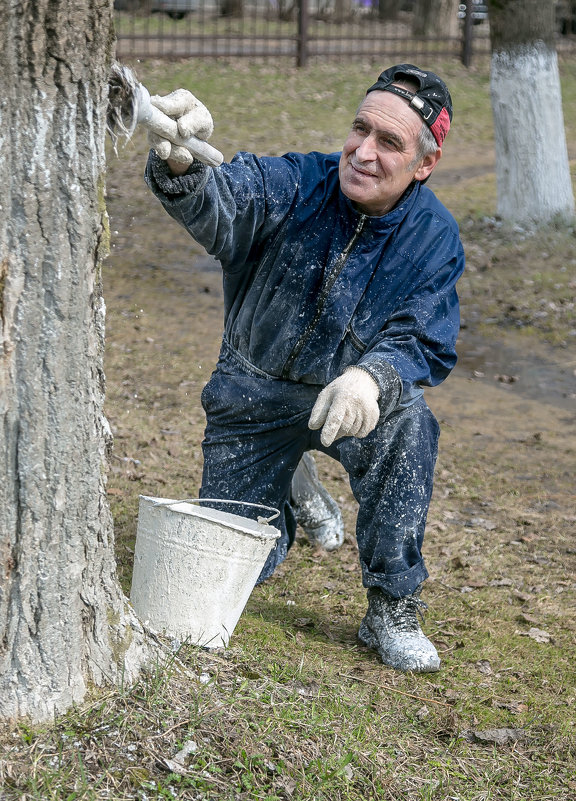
[300,30]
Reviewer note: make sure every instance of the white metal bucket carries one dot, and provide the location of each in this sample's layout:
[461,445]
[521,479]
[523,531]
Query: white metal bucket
[195,567]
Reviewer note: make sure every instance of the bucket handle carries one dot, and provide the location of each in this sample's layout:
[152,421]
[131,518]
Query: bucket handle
[261,520]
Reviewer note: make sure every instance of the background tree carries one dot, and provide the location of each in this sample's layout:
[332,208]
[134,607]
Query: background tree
[387,9]
[434,18]
[532,168]
[63,620]
[232,8]
[342,10]
[286,9]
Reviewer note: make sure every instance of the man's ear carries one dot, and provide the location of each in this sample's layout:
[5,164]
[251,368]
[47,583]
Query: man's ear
[428,164]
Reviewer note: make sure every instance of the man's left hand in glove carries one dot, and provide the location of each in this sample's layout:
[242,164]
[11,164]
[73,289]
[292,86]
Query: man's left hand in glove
[347,407]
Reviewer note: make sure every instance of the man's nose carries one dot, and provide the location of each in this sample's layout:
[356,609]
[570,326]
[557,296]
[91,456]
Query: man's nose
[366,151]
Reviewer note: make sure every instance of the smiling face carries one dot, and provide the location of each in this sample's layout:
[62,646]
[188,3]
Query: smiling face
[380,156]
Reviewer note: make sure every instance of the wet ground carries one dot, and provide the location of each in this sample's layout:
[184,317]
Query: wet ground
[521,372]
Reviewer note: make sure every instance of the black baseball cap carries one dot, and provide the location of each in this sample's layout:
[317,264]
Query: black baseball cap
[432,101]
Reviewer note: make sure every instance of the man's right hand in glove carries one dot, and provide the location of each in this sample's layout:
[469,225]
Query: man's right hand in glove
[193,119]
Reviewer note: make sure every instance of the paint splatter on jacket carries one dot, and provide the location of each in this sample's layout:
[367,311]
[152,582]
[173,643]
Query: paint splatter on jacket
[312,286]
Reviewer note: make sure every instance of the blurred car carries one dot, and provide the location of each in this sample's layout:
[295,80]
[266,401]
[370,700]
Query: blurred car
[479,11]
[176,9]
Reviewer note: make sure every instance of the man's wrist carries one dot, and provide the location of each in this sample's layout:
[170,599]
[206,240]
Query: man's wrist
[176,167]
[161,180]
[388,381]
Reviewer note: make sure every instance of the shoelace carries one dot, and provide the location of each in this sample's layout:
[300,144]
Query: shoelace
[404,612]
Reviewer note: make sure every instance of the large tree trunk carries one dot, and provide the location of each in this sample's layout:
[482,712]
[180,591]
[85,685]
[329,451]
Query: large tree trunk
[435,18]
[232,8]
[63,620]
[387,9]
[342,10]
[532,168]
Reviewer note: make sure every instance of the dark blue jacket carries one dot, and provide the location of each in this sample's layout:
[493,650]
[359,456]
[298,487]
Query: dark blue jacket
[312,286]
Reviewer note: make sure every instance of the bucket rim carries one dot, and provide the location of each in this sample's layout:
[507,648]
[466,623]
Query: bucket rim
[264,530]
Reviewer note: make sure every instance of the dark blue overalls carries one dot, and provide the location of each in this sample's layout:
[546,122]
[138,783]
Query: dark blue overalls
[256,433]
[311,287]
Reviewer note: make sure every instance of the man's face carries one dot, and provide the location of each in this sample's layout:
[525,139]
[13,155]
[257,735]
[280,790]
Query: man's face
[378,159]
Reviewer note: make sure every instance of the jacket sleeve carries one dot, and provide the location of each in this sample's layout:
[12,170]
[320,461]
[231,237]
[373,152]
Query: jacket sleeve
[418,340]
[231,209]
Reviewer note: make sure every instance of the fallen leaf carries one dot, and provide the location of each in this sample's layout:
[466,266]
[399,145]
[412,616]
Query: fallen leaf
[496,736]
[172,766]
[524,618]
[481,522]
[522,596]
[349,772]
[189,747]
[288,785]
[504,582]
[310,690]
[514,706]
[536,634]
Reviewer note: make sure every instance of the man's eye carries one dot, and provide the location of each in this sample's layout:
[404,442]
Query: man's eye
[359,127]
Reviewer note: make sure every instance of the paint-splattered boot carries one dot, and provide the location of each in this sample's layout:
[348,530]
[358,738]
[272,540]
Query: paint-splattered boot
[391,627]
[315,510]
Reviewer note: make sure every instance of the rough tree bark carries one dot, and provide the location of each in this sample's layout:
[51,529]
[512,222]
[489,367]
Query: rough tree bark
[232,8]
[387,9]
[434,18]
[532,169]
[342,11]
[63,619]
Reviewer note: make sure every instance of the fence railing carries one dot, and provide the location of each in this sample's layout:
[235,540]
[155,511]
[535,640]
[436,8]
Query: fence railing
[300,30]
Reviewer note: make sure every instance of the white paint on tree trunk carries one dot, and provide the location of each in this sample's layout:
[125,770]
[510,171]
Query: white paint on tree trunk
[64,622]
[532,168]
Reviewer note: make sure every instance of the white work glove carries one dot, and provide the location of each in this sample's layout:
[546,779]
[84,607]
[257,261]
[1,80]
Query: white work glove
[192,117]
[347,407]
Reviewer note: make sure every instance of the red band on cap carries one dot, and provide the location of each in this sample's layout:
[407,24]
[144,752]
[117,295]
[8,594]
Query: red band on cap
[441,126]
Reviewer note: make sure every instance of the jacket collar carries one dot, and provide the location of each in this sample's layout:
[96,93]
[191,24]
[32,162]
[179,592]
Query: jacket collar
[392,218]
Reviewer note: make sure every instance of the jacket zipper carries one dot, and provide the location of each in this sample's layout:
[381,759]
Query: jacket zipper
[323,297]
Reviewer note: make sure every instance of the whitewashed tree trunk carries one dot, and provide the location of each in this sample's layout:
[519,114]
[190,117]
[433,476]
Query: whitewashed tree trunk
[532,168]
[64,622]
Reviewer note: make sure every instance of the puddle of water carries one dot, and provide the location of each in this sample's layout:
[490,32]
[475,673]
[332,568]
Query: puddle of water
[534,374]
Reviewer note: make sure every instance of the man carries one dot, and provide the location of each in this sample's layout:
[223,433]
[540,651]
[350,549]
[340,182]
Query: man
[340,307]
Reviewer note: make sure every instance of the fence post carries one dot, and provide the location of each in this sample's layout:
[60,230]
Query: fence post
[467,34]
[302,49]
